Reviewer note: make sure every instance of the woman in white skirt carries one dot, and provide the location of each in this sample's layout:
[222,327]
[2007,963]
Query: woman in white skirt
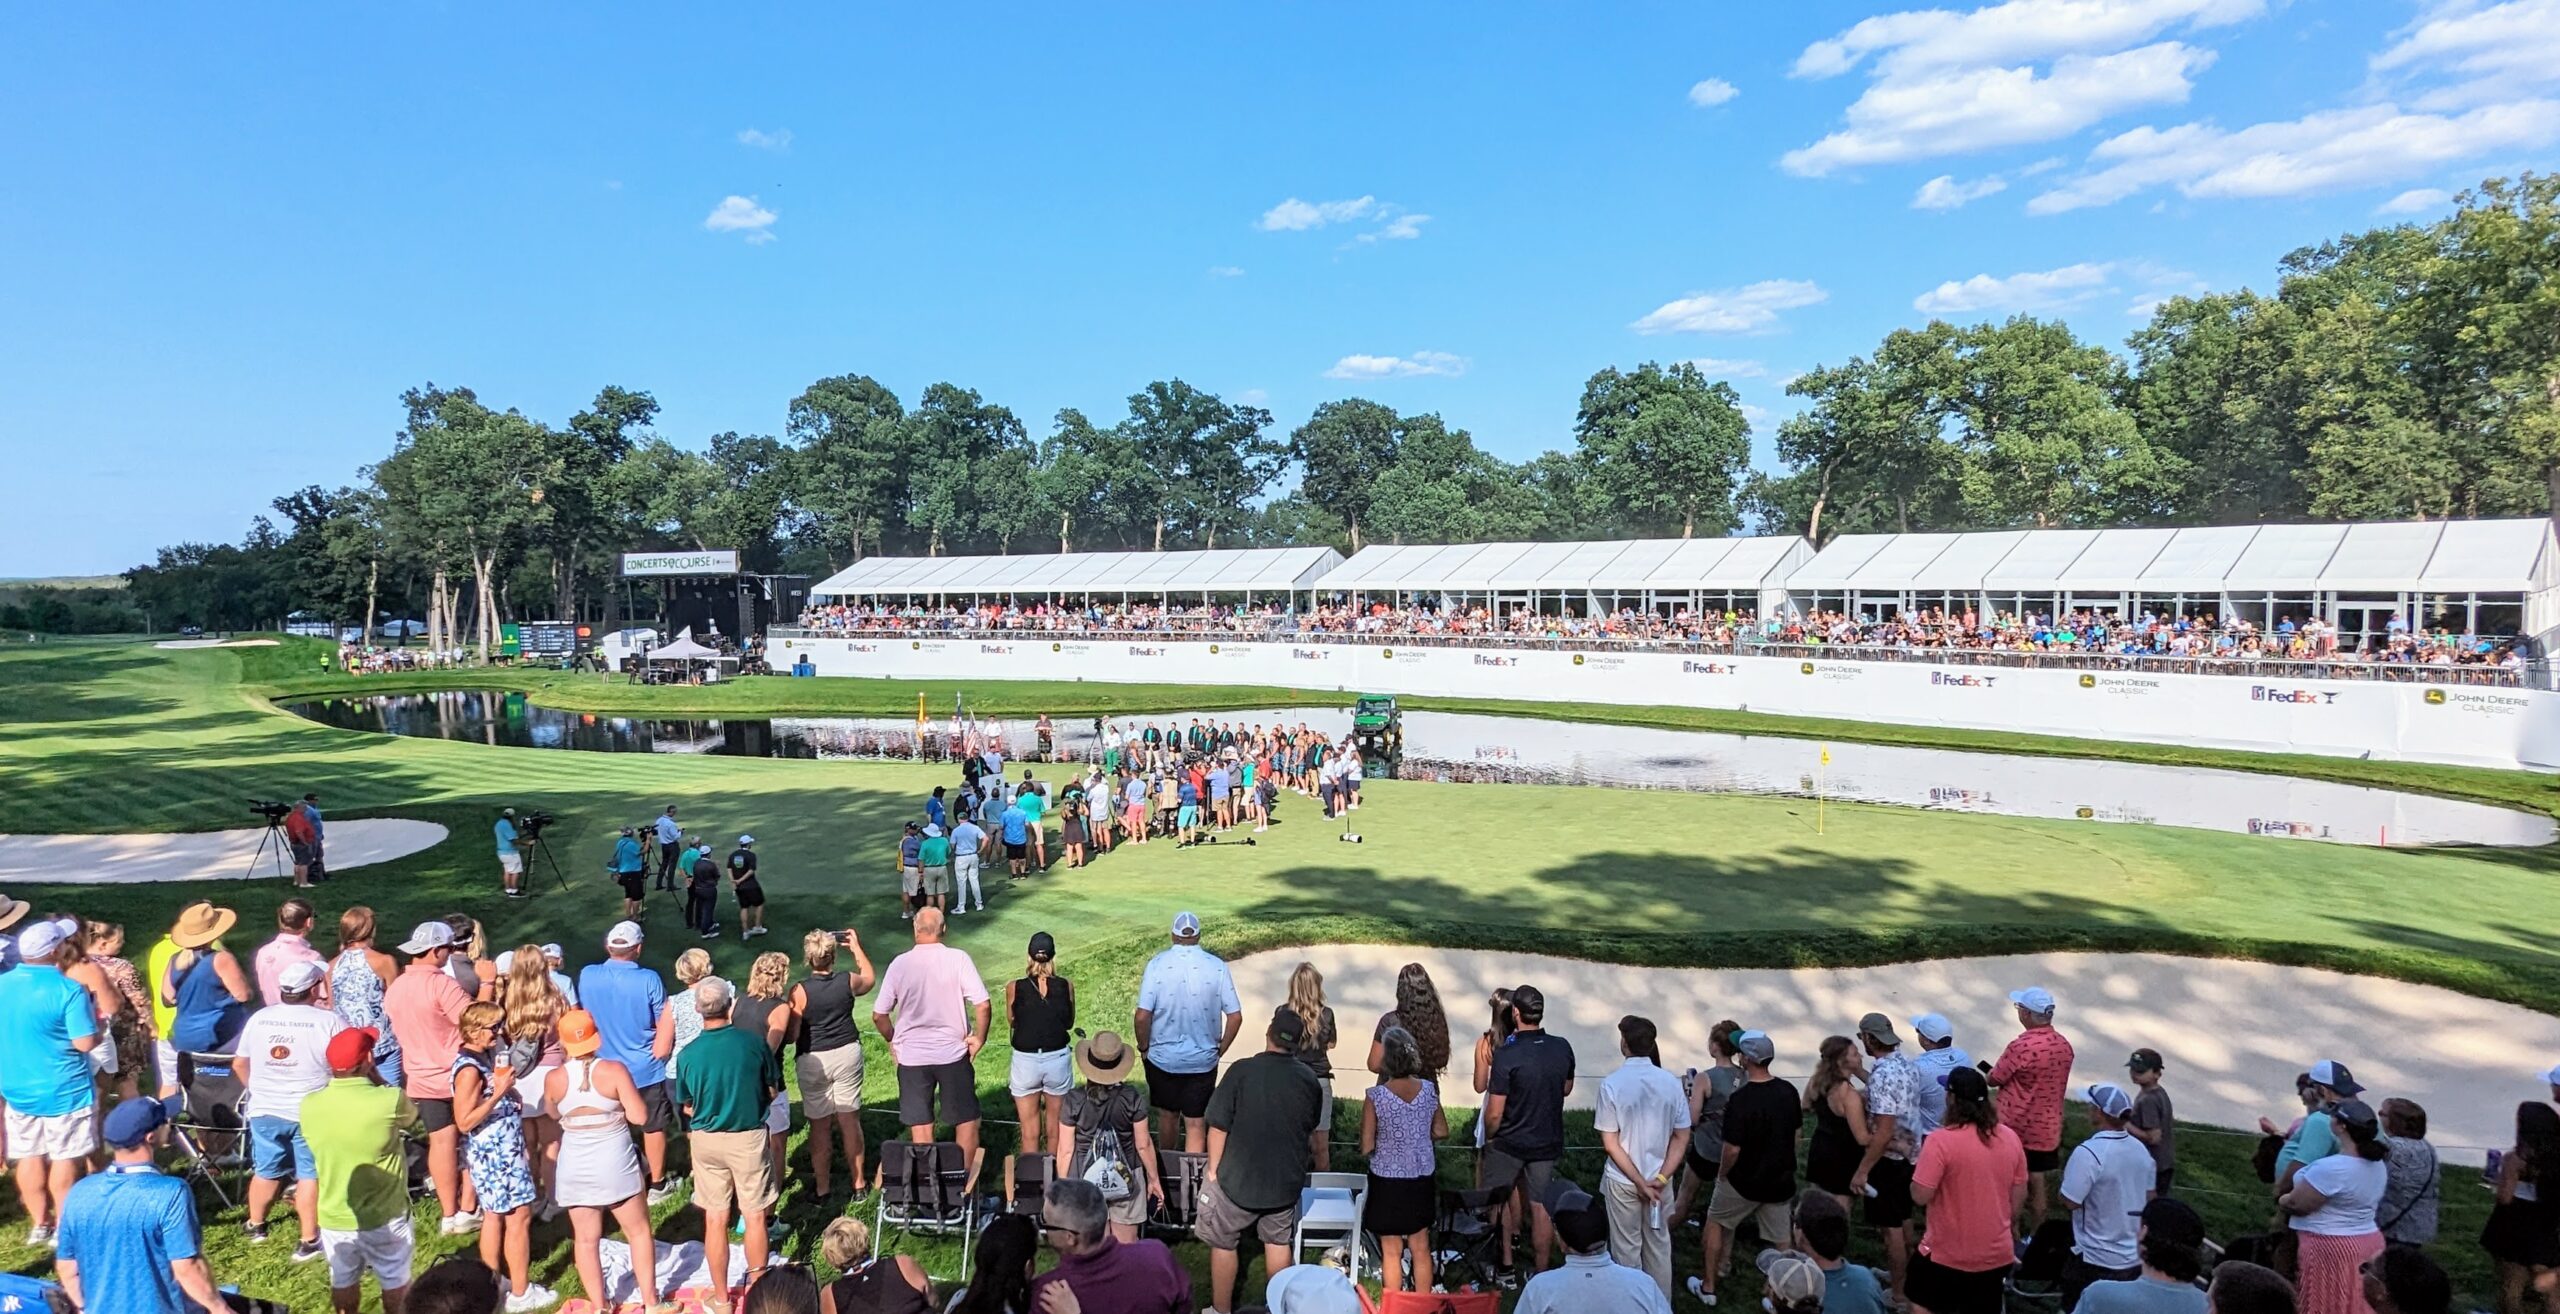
[599,1168]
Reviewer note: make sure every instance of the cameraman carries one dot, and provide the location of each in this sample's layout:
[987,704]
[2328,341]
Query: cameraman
[631,870]
[510,853]
[302,834]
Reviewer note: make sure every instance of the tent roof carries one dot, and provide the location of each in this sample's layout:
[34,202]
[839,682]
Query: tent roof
[2490,556]
[1227,570]
[1665,564]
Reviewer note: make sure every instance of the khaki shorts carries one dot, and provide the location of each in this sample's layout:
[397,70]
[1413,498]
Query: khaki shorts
[937,880]
[1728,1207]
[830,1081]
[1224,1225]
[731,1166]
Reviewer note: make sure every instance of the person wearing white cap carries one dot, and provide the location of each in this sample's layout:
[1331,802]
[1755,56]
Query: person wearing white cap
[425,1007]
[2105,1186]
[2030,1077]
[283,1056]
[2321,1087]
[1188,1013]
[1939,1055]
[48,1025]
[629,1006]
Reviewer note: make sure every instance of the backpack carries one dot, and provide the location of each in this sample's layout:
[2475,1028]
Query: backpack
[1107,1165]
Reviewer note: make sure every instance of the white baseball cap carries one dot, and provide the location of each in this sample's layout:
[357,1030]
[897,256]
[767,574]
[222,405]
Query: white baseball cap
[746,839]
[37,942]
[2109,1099]
[2034,999]
[1186,923]
[428,935]
[301,976]
[552,951]
[1933,1027]
[624,935]
[506,962]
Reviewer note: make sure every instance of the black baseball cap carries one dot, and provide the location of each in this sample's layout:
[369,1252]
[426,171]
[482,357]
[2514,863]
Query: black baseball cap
[2146,1060]
[2173,1221]
[1042,947]
[1287,1027]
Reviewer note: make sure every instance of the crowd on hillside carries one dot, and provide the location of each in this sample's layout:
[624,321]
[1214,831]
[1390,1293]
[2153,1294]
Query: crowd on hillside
[604,1093]
[2082,632]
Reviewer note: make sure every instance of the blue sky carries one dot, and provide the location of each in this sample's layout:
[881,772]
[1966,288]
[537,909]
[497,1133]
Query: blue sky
[234,235]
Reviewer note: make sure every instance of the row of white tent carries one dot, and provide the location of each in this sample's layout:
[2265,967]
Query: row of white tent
[2461,563]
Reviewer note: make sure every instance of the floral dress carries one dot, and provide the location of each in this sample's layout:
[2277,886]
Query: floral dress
[494,1151]
[132,1030]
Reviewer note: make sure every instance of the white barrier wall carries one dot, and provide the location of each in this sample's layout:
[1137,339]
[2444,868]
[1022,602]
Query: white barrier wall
[2341,718]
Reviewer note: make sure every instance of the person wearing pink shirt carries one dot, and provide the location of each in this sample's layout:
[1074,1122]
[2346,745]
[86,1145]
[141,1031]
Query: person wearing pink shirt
[942,1011]
[291,945]
[1971,1178]
[425,1007]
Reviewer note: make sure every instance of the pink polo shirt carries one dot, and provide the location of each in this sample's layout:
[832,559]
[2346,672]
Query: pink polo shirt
[425,1007]
[931,988]
[278,954]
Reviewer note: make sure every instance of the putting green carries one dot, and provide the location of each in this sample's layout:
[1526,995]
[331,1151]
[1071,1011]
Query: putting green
[115,737]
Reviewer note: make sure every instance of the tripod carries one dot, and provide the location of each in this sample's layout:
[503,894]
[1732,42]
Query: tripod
[542,851]
[271,842]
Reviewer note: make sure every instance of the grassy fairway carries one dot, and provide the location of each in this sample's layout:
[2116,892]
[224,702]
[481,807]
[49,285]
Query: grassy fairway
[119,737]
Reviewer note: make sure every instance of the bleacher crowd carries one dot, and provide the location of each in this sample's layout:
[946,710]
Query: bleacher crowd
[2082,632]
[535,1092]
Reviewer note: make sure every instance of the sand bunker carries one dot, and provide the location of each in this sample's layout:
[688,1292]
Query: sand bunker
[200,856]
[2234,1033]
[215,643]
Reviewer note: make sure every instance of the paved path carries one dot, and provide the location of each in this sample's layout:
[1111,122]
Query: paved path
[195,856]
[215,643]
[2234,1033]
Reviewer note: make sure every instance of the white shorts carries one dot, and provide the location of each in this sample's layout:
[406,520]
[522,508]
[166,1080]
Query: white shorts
[386,1250]
[72,1135]
[164,1056]
[777,1116]
[1042,1074]
[511,863]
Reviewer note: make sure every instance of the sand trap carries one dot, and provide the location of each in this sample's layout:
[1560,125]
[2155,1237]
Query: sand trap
[202,856]
[2234,1033]
[215,643]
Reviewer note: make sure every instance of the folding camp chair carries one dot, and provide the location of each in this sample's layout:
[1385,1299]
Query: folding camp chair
[1468,1239]
[1026,1182]
[930,1188]
[209,1131]
[1183,1175]
[1432,1302]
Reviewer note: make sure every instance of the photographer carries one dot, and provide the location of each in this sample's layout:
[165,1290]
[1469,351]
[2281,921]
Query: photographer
[303,834]
[510,854]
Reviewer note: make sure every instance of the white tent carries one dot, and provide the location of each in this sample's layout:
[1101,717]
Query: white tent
[1590,576]
[1225,572]
[684,649]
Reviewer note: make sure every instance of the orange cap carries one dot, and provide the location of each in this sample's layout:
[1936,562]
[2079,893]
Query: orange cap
[578,1033]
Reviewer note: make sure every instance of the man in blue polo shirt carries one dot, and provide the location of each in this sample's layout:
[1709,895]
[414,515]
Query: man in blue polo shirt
[1017,839]
[47,1028]
[130,1240]
[628,1002]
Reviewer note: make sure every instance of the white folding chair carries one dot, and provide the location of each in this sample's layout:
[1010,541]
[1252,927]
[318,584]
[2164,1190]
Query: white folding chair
[1329,1210]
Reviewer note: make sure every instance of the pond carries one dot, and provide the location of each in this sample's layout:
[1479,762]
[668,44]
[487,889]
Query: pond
[1468,748]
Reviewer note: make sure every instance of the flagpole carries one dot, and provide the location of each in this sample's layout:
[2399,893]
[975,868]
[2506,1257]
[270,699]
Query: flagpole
[1822,792]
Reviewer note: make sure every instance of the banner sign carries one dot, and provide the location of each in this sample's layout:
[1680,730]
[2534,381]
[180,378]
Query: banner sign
[636,564]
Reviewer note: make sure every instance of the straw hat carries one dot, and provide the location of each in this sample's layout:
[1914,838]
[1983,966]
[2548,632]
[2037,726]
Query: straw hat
[1106,1059]
[11,910]
[200,924]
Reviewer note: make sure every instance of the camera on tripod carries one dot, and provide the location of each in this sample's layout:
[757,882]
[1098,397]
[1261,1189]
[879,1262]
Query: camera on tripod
[529,823]
[273,812]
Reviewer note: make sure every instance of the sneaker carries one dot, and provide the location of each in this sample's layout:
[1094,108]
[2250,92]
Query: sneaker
[459,1224]
[665,1191]
[981,908]
[1699,1289]
[906,914]
[306,1251]
[40,1235]
[256,1232]
[957,911]
[534,1296]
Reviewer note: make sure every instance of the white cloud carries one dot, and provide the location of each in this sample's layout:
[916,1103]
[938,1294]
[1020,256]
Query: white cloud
[1252,397]
[2490,52]
[777,140]
[741,214]
[1712,92]
[1419,364]
[1757,415]
[2050,289]
[1945,193]
[1226,271]
[1954,111]
[1745,309]
[1398,228]
[2325,151]
[1714,367]
[1295,216]
[1946,82]
[2417,200]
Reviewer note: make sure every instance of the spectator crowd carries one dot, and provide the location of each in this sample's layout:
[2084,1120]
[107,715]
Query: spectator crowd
[535,1091]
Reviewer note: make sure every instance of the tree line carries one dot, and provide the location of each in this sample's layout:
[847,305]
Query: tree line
[2410,371]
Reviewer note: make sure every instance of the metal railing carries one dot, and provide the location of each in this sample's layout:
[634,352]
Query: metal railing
[2540,674]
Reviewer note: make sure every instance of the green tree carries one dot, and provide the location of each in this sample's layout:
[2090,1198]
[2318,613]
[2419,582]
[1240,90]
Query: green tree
[1342,450]
[2042,440]
[1665,447]
[848,433]
[2217,385]
[1212,456]
[2494,286]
